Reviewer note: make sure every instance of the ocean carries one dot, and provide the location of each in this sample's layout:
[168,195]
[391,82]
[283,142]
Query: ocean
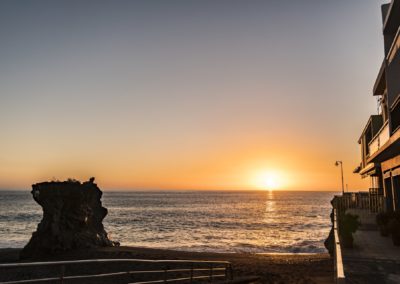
[212,221]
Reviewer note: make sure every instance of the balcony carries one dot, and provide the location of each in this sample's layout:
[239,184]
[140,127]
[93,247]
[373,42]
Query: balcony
[395,114]
[392,20]
[369,170]
[394,48]
[379,139]
[388,149]
[372,127]
[380,82]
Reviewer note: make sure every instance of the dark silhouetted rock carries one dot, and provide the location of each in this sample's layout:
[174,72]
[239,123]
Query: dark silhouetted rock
[72,218]
[330,240]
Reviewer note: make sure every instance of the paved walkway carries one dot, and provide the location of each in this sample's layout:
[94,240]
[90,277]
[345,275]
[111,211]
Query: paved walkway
[374,259]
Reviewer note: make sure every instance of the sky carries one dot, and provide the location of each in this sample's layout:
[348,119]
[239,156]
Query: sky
[186,94]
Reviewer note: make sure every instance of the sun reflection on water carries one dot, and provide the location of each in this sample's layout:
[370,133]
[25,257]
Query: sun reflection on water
[270,203]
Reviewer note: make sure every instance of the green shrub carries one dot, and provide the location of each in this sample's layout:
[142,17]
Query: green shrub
[348,225]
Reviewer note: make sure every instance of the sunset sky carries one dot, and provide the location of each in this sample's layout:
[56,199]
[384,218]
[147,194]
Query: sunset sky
[186,94]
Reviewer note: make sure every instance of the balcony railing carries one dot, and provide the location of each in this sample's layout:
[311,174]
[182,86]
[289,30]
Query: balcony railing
[379,139]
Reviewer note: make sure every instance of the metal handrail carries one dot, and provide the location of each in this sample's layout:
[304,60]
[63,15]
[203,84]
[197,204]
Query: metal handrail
[175,279]
[110,260]
[213,267]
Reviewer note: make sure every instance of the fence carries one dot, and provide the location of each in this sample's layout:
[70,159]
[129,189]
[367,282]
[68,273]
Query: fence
[197,271]
[373,200]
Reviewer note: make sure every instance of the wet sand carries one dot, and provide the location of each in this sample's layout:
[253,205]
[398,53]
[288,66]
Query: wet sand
[271,268]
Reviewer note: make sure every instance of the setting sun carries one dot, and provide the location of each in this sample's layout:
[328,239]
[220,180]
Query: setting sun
[268,180]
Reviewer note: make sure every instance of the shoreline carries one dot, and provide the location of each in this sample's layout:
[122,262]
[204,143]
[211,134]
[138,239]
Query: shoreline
[270,267]
[178,250]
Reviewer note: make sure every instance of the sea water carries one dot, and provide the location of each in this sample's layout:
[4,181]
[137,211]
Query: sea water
[212,221]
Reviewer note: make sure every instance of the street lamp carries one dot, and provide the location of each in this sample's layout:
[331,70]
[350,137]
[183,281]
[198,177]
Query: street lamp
[341,168]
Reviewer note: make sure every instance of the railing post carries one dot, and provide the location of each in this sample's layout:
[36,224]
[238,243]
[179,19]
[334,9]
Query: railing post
[62,274]
[165,274]
[230,271]
[211,272]
[191,273]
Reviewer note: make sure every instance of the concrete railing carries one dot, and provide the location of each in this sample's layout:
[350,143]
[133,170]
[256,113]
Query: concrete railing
[338,260]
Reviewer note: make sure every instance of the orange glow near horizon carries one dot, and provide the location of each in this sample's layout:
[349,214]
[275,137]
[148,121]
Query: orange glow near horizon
[245,166]
[225,162]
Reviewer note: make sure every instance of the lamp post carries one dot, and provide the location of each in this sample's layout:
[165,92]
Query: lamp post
[341,169]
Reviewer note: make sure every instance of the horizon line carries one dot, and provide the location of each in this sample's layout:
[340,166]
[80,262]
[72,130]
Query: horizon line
[194,189]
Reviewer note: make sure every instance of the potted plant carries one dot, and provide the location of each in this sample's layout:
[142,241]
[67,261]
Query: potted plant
[348,225]
[382,220]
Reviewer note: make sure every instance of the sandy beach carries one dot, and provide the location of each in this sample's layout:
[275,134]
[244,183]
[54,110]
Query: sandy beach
[271,268]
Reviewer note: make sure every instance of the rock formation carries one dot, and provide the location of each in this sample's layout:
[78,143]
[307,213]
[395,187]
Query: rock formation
[330,240]
[72,218]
